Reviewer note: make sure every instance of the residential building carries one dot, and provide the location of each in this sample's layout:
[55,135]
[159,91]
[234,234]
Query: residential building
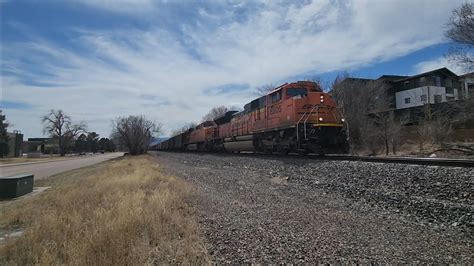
[437,86]
[467,85]
[433,87]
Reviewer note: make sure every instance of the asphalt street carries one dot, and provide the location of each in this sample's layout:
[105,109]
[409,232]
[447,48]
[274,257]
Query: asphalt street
[49,168]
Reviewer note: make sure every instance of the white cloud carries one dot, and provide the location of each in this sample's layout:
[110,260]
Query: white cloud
[437,63]
[178,72]
[131,7]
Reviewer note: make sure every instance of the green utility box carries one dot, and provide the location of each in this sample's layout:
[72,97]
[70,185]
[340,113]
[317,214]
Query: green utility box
[15,186]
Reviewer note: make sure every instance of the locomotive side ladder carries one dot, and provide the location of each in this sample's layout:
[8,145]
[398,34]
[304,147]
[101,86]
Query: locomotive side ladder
[307,115]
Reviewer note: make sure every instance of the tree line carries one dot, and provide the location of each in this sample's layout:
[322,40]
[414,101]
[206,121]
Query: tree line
[132,134]
[91,142]
[73,137]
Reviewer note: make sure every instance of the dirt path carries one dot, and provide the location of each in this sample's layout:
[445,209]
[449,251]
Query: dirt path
[269,210]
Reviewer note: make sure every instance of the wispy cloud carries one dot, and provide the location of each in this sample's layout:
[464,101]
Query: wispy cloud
[130,7]
[185,66]
[14,105]
[436,63]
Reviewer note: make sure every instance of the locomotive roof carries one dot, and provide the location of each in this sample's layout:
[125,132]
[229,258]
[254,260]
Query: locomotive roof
[225,117]
[298,84]
[206,124]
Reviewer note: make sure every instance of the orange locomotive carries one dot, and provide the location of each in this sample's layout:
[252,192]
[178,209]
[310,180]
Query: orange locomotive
[295,117]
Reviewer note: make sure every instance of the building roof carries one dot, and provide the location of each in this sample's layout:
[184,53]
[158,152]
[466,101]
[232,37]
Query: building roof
[39,139]
[391,77]
[468,75]
[444,70]
[358,79]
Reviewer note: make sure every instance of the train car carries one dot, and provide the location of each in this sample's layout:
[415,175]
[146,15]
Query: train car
[163,145]
[178,142]
[202,137]
[295,117]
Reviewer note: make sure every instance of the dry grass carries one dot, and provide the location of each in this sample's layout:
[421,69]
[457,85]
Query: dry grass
[120,212]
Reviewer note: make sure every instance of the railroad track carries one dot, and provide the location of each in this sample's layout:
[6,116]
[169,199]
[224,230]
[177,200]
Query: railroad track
[399,160]
[402,160]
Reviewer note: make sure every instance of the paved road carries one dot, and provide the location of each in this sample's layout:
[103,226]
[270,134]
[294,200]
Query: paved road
[45,169]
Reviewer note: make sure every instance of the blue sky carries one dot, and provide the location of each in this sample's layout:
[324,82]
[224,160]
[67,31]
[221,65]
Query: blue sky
[174,60]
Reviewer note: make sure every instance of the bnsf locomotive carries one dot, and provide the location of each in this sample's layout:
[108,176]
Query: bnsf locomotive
[295,117]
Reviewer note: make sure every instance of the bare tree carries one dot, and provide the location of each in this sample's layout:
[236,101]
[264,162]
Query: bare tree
[135,132]
[184,128]
[464,110]
[388,129]
[339,79]
[461,33]
[60,127]
[264,90]
[322,83]
[388,126]
[370,122]
[369,140]
[434,127]
[353,99]
[215,112]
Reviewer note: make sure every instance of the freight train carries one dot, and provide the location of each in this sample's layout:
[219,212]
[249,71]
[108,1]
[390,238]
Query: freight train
[294,117]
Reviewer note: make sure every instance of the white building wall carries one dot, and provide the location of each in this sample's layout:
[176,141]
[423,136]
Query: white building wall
[413,94]
[467,82]
[437,91]
[416,99]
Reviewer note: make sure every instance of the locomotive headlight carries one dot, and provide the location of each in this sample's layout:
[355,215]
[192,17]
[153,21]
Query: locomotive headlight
[343,120]
[321,119]
[321,98]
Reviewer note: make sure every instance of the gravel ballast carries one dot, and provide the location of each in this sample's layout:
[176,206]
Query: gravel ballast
[262,209]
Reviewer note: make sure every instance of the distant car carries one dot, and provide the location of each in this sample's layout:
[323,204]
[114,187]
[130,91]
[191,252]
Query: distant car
[102,151]
[82,153]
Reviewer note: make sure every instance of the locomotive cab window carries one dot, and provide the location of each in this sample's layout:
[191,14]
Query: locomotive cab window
[275,97]
[296,91]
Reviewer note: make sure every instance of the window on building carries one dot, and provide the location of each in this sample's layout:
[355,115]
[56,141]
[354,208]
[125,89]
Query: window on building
[449,90]
[449,98]
[406,83]
[470,90]
[449,82]
[423,98]
[438,98]
[423,81]
[407,100]
[437,81]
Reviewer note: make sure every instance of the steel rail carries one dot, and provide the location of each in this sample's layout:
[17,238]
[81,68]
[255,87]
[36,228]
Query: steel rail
[401,160]
[334,157]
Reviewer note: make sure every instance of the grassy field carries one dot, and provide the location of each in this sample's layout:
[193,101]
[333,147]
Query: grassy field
[123,211]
